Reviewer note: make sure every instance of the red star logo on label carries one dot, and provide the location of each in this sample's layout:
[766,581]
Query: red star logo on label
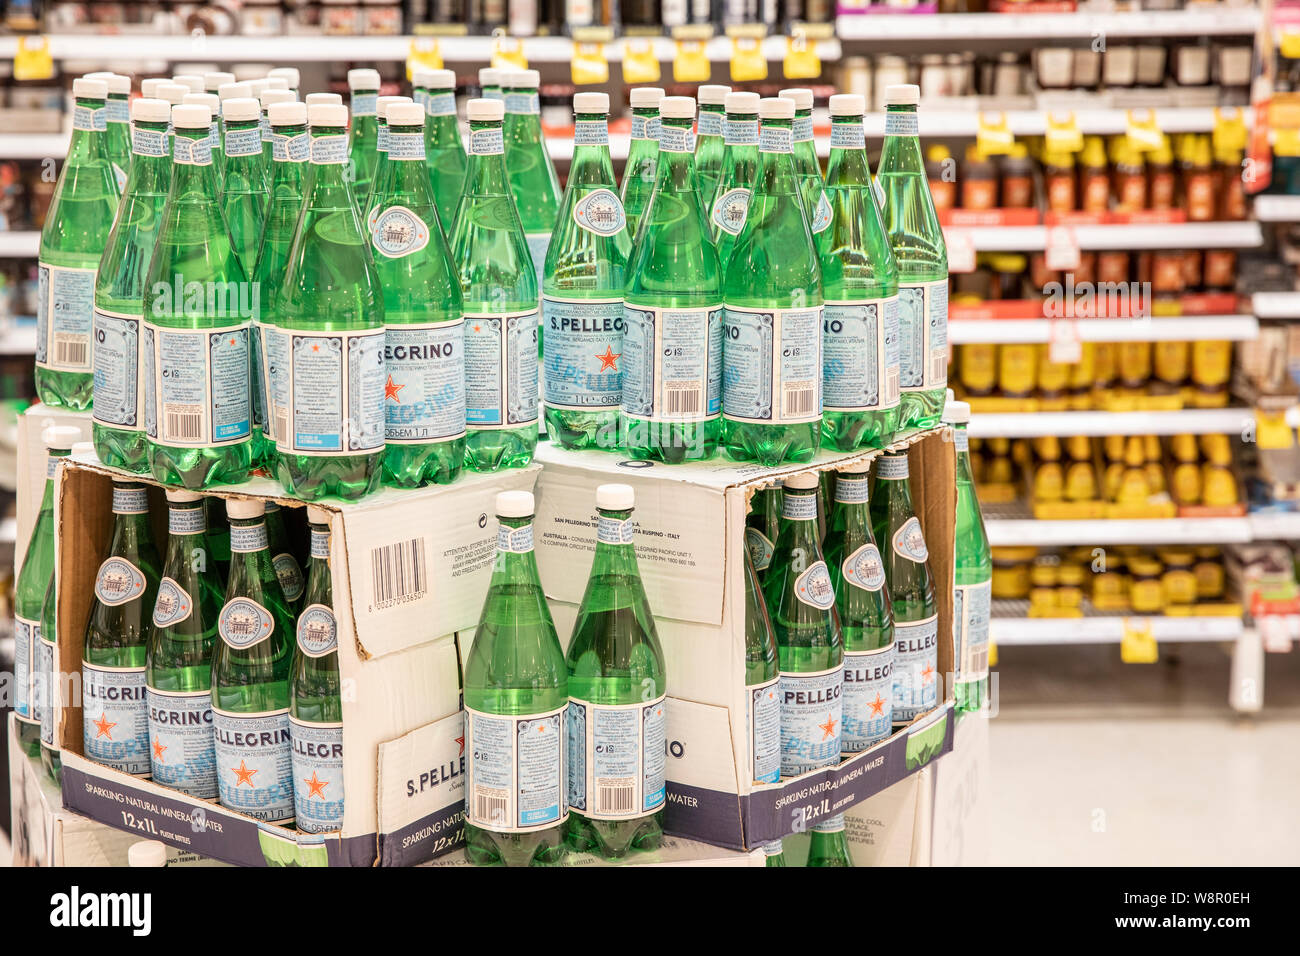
[461,740]
[478,328]
[315,348]
[609,361]
[828,728]
[927,675]
[316,786]
[391,389]
[878,706]
[103,726]
[243,774]
[232,341]
[541,728]
[158,749]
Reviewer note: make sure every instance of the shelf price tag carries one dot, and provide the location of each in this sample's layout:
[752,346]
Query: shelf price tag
[425,54]
[1063,133]
[640,65]
[1143,134]
[1272,433]
[1061,252]
[993,135]
[691,63]
[1229,128]
[748,65]
[961,250]
[32,59]
[590,64]
[508,53]
[1136,643]
[801,59]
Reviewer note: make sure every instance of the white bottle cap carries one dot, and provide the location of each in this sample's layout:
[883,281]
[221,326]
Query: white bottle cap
[192,80]
[591,103]
[742,102]
[61,436]
[276,96]
[484,111]
[382,103]
[85,88]
[521,79]
[318,515]
[146,853]
[489,77]
[776,107]
[213,81]
[801,96]
[245,508]
[902,94]
[289,74]
[149,87]
[802,481]
[405,114]
[677,107]
[956,413]
[859,467]
[117,83]
[514,504]
[714,94]
[332,99]
[363,79]
[644,97]
[287,114]
[848,104]
[258,86]
[615,497]
[327,114]
[145,110]
[277,83]
[440,79]
[195,116]
[182,496]
[228,91]
[173,93]
[210,100]
[241,108]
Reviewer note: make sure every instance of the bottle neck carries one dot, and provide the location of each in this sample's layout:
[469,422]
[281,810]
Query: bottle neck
[901,152]
[776,170]
[130,516]
[243,142]
[318,564]
[892,479]
[192,163]
[799,516]
[151,166]
[51,465]
[802,127]
[674,171]
[361,108]
[961,441]
[248,536]
[742,129]
[645,124]
[515,561]
[89,122]
[185,523]
[591,162]
[441,126]
[290,151]
[381,135]
[329,160]
[485,173]
[614,551]
[711,122]
[118,106]
[523,116]
[848,165]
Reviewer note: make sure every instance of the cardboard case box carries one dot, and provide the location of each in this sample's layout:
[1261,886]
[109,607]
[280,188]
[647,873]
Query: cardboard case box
[397,656]
[690,521]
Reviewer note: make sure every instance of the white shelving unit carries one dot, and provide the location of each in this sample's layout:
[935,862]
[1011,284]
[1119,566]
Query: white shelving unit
[1186,421]
[1277,208]
[1276,305]
[1028,631]
[1184,328]
[1214,19]
[1141,531]
[19,244]
[1182,235]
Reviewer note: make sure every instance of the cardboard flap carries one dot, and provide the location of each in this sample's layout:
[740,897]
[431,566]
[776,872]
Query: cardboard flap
[422,793]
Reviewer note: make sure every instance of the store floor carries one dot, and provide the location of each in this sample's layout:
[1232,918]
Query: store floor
[1095,762]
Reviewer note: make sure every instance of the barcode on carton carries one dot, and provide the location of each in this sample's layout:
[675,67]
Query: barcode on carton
[398,574]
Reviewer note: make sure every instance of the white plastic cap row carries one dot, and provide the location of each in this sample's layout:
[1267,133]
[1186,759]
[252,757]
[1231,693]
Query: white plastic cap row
[117,83]
[514,504]
[210,100]
[228,91]
[327,114]
[956,413]
[776,107]
[591,103]
[195,116]
[803,481]
[405,114]
[318,515]
[615,497]
[240,109]
[182,496]
[289,74]
[191,81]
[245,508]
[489,77]
[314,99]
[382,103]
[61,436]
[269,97]
[485,111]
[173,93]
[860,467]
[848,104]
[519,79]
[677,107]
[88,88]
[144,110]
[742,102]
[712,94]
[644,97]
[214,81]
[363,79]
[902,94]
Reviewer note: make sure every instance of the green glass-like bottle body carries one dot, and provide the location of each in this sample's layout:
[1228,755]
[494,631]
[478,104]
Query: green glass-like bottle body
[710,146]
[118,137]
[762,527]
[809,172]
[729,204]
[51,683]
[531,173]
[283,559]
[762,683]
[639,172]
[827,845]
[444,153]
[363,137]
[973,581]
[245,188]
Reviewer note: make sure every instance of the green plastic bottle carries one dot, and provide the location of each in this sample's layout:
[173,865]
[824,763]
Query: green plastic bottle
[762,526]
[118,129]
[115,712]
[762,683]
[267,99]
[77,225]
[710,140]
[118,409]
[911,589]
[315,700]
[827,845]
[772,366]
[866,613]
[972,575]
[424,341]
[617,697]
[364,134]
[243,199]
[809,170]
[444,151]
[198,305]
[489,82]
[329,329]
[283,560]
[582,295]
[730,201]
[774,854]
[672,318]
[178,668]
[227,91]
[33,580]
[367,202]
[516,693]
[922,258]
[50,681]
[532,177]
[500,292]
[290,150]
[642,155]
[213,103]
[860,392]
[250,676]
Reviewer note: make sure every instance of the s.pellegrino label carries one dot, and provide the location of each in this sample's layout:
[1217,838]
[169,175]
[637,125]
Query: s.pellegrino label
[916,666]
[868,697]
[580,344]
[860,355]
[775,362]
[923,335]
[182,743]
[501,369]
[65,306]
[317,775]
[115,717]
[200,379]
[118,357]
[516,770]
[328,392]
[811,715]
[763,717]
[27,634]
[255,763]
[971,610]
[616,758]
[672,363]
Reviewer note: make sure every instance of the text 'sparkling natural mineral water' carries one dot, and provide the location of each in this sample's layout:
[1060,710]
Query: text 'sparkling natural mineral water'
[325,355]
[315,706]
[516,697]
[76,230]
[114,709]
[911,589]
[860,390]
[424,338]
[532,177]
[866,613]
[443,148]
[709,140]
[672,316]
[118,410]
[771,378]
[642,155]
[617,702]
[922,258]
[729,203]
[806,166]
[178,670]
[499,286]
[972,574]
[198,306]
[582,295]
[362,137]
[250,676]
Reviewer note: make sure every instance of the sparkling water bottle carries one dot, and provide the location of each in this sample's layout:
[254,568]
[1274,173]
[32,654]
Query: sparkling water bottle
[118,130]
[972,573]
[287,569]
[489,83]
[807,168]
[267,99]
[709,140]
[363,137]
[444,151]
[730,201]
[366,203]
[244,194]
[532,177]
[642,155]
[762,525]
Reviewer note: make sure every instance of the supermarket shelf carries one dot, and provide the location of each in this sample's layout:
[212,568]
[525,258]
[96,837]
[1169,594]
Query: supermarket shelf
[1009,631]
[1184,328]
[1275,525]
[1186,421]
[33,145]
[19,245]
[1183,235]
[1145,531]
[1216,20]
[1277,208]
[1099,122]
[19,339]
[1276,305]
